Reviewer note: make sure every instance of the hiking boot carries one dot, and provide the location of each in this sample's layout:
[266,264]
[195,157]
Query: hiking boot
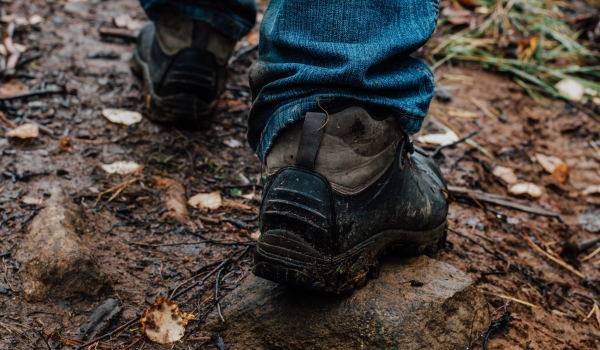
[337,197]
[182,63]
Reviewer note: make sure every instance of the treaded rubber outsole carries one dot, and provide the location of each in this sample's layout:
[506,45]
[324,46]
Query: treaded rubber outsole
[181,109]
[342,273]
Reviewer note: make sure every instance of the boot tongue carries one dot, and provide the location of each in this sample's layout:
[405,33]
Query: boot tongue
[355,149]
[175,31]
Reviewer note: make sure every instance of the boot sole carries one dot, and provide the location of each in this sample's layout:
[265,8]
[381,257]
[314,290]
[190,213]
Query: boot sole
[180,109]
[298,264]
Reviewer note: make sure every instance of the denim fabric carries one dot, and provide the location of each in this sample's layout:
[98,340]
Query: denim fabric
[234,18]
[333,50]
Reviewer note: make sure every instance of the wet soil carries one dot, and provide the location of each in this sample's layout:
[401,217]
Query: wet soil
[146,255]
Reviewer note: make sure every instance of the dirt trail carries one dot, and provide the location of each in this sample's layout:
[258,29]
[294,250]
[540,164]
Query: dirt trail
[146,254]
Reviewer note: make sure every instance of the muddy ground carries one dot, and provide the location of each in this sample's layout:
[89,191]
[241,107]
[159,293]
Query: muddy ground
[135,241]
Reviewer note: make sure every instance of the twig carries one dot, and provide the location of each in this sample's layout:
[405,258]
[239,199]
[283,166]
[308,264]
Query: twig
[551,257]
[437,150]
[217,294]
[32,93]
[135,320]
[511,299]
[8,121]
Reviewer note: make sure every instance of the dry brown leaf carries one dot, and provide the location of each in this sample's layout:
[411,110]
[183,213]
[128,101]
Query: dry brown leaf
[255,235]
[121,167]
[25,131]
[439,139]
[174,199]
[121,116]
[206,200]
[571,89]
[36,19]
[31,200]
[469,2]
[561,173]
[527,47]
[525,188]
[506,174]
[65,145]
[549,163]
[593,189]
[125,21]
[163,322]
[13,87]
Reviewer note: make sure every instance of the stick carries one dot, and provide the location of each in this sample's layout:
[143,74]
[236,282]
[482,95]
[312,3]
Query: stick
[551,257]
[502,201]
[512,299]
[119,33]
[30,94]
[108,335]
[437,150]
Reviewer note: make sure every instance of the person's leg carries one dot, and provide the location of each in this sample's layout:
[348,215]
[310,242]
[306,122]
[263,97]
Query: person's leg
[340,49]
[182,56]
[234,18]
[336,95]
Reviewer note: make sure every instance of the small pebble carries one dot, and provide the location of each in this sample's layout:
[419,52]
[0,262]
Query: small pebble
[442,94]
[58,20]
[503,119]
[480,227]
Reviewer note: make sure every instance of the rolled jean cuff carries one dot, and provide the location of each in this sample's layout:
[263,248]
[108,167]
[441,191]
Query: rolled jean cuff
[410,114]
[233,24]
[228,25]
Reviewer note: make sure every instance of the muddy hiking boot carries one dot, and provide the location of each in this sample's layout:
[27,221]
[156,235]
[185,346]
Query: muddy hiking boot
[337,197]
[182,63]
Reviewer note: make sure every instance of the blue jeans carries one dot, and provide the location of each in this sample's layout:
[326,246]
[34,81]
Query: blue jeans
[321,54]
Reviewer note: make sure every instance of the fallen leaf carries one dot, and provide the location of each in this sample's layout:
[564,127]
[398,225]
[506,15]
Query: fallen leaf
[36,19]
[252,38]
[121,167]
[233,143]
[506,174]
[593,189]
[65,145]
[13,87]
[174,199]
[234,204]
[206,200]
[125,21]
[469,2]
[31,200]
[25,131]
[122,20]
[121,116]
[553,165]
[571,89]
[3,50]
[163,322]
[439,139]
[20,47]
[527,47]
[561,173]
[255,235]
[525,188]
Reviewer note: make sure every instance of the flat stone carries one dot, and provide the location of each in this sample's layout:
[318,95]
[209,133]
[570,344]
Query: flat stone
[416,303]
[56,262]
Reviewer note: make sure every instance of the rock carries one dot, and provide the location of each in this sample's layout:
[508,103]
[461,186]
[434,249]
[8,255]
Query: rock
[446,312]
[56,263]
[590,222]
[4,289]
[442,94]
